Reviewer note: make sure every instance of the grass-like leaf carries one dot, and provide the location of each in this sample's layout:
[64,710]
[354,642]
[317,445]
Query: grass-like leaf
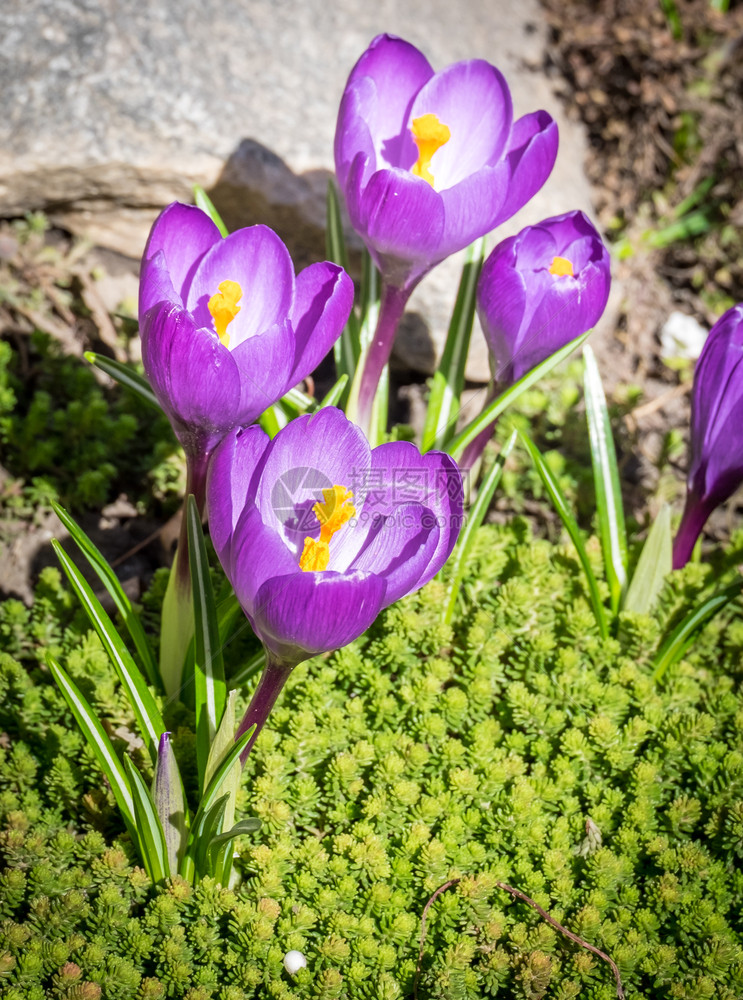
[683,635]
[333,396]
[448,381]
[221,860]
[219,855]
[273,419]
[653,566]
[123,374]
[571,526]
[609,507]
[347,349]
[506,399]
[475,517]
[256,663]
[296,402]
[380,410]
[138,694]
[98,742]
[204,202]
[210,689]
[151,836]
[210,796]
[110,581]
[210,825]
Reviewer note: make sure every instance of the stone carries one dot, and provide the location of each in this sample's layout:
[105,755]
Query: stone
[113,108]
[682,337]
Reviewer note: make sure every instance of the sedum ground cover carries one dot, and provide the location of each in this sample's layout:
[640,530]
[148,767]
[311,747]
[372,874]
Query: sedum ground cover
[513,746]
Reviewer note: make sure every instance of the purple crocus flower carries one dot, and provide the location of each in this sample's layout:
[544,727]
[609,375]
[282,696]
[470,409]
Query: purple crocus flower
[427,162]
[539,290]
[317,532]
[226,326]
[226,330]
[716,466]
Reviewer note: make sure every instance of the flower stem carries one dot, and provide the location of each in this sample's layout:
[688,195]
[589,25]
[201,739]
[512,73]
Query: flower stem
[693,520]
[392,306]
[264,698]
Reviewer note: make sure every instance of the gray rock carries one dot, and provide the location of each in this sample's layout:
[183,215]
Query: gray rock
[113,108]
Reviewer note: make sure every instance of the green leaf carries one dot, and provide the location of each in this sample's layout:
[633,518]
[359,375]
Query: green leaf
[272,420]
[380,409]
[609,505]
[653,566]
[244,826]
[296,402]
[138,694]
[255,664]
[333,396]
[219,856]
[151,836]
[210,824]
[448,382]
[222,772]
[683,635]
[209,684]
[561,506]
[210,796]
[494,409]
[204,202]
[370,306]
[347,349]
[222,860]
[110,581]
[125,375]
[98,742]
[475,518]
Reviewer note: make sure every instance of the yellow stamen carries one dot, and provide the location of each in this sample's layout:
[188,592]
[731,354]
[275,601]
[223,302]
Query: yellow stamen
[429,134]
[561,267]
[223,307]
[332,513]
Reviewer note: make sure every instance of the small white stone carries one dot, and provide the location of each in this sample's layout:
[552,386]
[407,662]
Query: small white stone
[294,961]
[682,336]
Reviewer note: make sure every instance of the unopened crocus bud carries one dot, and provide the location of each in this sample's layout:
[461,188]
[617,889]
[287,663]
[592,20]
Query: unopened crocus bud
[716,463]
[539,290]
[167,793]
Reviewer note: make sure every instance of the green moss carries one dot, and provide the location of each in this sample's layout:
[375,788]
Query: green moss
[65,438]
[513,746]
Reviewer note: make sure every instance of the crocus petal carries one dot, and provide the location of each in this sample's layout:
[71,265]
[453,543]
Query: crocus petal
[352,135]
[193,376]
[473,100]
[397,70]
[472,207]
[322,304]
[257,259]
[257,554]
[433,480]
[531,155]
[401,548]
[264,361]
[232,470]
[403,218]
[312,453]
[301,614]
[184,234]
